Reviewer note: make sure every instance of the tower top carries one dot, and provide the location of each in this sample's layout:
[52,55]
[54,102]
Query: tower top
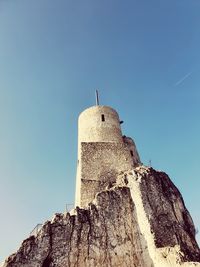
[97,97]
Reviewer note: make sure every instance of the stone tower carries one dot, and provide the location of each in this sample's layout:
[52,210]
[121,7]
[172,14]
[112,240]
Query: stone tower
[138,217]
[102,152]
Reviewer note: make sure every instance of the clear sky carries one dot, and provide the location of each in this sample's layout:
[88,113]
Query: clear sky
[144,58]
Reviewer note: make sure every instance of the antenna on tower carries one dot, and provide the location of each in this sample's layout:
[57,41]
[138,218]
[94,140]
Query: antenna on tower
[97,98]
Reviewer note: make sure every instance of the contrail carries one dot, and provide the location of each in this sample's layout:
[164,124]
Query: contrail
[183,79]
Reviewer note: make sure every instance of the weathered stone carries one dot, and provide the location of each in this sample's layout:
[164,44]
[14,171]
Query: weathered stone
[140,221]
[105,234]
[102,152]
[170,220]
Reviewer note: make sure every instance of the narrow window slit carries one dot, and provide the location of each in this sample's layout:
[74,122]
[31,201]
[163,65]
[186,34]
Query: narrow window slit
[102,117]
[131,153]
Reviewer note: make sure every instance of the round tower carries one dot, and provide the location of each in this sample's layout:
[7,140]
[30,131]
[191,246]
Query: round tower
[102,152]
[99,124]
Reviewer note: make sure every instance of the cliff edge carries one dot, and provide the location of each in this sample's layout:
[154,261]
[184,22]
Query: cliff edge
[138,221]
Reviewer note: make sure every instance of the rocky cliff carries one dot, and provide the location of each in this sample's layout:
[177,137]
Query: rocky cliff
[139,221]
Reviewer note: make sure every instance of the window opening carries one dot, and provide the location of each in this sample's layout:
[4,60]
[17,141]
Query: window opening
[131,153]
[102,117]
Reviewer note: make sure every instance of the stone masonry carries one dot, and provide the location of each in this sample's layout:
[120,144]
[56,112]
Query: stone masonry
[127,214]
[102,152]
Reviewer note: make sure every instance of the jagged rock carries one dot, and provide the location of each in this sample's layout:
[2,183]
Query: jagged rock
[139,222]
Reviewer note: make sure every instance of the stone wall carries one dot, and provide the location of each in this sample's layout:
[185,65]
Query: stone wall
[130,144]
[91,127]
[100,163]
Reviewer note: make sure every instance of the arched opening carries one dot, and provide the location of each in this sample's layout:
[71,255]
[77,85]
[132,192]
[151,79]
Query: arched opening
[102,117]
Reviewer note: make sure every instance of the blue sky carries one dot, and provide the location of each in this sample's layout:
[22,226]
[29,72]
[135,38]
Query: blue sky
[144,58]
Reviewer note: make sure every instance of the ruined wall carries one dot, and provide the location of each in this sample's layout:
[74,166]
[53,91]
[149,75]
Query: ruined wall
[130,144]
[97,125]
[102,152]
[100,163]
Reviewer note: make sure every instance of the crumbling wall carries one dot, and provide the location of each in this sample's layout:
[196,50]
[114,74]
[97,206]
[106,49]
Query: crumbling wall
[100,163]
[130,144]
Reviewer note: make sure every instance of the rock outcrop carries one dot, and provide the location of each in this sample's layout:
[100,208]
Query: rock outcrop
[139,221]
